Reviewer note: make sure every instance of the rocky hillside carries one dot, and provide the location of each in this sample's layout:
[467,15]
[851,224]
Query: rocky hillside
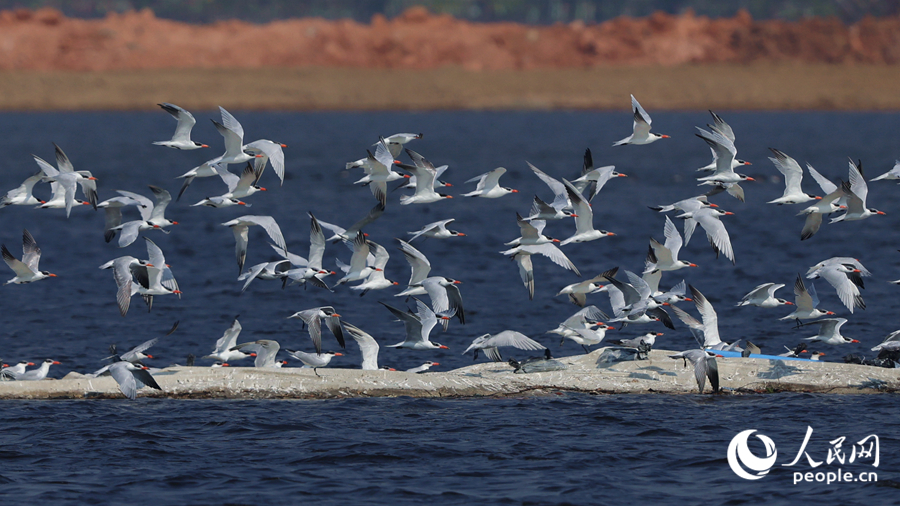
[46,40]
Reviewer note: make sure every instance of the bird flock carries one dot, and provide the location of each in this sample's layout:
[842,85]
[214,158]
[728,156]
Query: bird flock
[635,298]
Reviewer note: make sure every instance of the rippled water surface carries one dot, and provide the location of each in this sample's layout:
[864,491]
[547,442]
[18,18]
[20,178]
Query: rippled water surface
[568,449]
[577,449]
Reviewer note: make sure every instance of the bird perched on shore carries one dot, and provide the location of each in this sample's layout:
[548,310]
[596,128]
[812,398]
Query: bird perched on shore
[314,360]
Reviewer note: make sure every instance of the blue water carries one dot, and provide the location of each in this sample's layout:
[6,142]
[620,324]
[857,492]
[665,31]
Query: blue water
[580,449]
[566,449]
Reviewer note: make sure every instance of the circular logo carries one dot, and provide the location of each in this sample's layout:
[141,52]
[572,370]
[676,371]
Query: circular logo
[740,456]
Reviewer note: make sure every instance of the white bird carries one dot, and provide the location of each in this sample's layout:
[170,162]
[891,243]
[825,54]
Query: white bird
[269,271]
[264,151]
[582,320]
[726,152]
[124,271]
[314,360]
[438,183]
[27,269]
[223,351]
[218,202]
[358,268]
[578,292]
[349,234]
[137,354]
[22,195]
[894,173]
[445,297]
[715,230]
[541,210]
[310,271]
[239,226]
[12,372]
[423,368]
[556,209]
[436,230]
[206,169]
[664,257]
[594,178]
[265,349]
[647,339]
[368,347]
[153,216]
[153,276]
[724,129]
[764,296]
[843,273]
[378,170]
[240,187]
[425,175]
[490,344]
[181,139]
[707,331]
[376,280]
[890,343]
[675,294]
[532,233]
[395,142]
[830,331]
[632,302]
[39,373]
[641,129]
[705,366]
[793,176]
[113,213]
[418,327]
[233,134]
[130,377]
[687,206]
[66,178]
[584,222]
[522,256]
[312,318]
[489,185]
[856,191]
[420,268]
[831,202]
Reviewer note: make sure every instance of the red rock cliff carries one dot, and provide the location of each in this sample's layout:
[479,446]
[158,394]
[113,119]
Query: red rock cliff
[46,40]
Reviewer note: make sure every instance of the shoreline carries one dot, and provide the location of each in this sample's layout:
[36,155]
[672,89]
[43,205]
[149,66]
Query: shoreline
[753,87]
[599,372]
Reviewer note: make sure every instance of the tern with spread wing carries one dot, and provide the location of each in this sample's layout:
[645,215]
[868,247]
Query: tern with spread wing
[182,137]
[240,227]
[27,270]
[418,326]
[490,344]
[489,185]
[584,221]
[224,352]
[312,318]
[641,130]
